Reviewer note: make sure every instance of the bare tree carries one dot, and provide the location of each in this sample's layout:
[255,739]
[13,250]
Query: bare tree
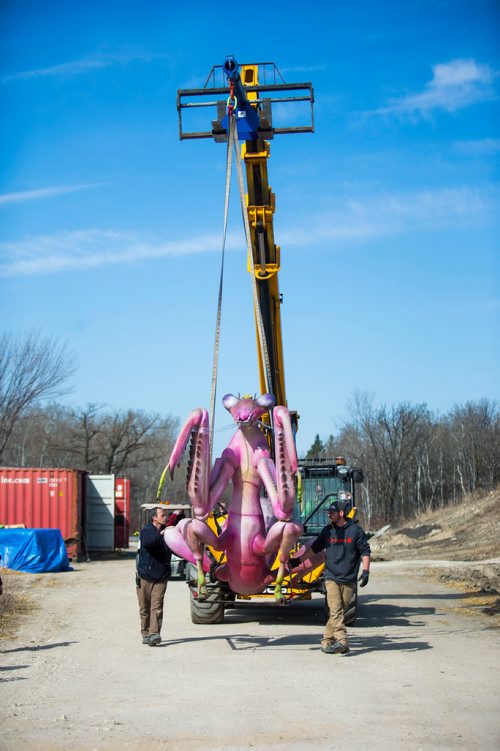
[133,444]
[414,460]
[40,438]
[394,434]
[475,433]
[31,370]
[82,436]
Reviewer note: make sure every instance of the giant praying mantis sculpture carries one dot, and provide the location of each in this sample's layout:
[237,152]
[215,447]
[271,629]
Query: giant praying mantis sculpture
[249,542]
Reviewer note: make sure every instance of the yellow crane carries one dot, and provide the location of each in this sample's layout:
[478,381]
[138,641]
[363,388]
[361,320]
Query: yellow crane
[244,98]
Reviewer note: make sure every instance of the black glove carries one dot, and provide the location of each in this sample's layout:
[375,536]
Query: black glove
[363,579]
[294,562]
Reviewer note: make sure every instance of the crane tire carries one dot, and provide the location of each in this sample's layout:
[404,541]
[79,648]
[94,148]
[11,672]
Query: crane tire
[208,611]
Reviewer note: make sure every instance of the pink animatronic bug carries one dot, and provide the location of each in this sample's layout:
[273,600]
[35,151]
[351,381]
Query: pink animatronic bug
[249,542]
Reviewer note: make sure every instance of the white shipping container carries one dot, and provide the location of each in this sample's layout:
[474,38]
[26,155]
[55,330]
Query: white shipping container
[100,512]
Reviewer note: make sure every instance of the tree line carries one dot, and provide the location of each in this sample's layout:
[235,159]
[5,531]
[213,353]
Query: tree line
[414,460]
[127,443]
[36,431]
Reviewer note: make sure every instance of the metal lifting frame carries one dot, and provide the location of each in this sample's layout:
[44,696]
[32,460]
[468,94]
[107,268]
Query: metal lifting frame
[254,93]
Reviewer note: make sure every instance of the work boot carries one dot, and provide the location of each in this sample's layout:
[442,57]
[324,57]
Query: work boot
[327,649]
[340,648]
[154,640]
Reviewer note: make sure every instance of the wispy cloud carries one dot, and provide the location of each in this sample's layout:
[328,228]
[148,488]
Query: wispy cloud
[454,85]
[385,214]
[34,195]
[352,220]
[87,249]
[480,147]
[81,65]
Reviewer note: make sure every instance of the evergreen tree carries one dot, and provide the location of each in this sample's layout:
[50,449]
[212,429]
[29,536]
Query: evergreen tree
[316,449]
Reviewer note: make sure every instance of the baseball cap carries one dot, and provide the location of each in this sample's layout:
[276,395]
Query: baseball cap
[337,506]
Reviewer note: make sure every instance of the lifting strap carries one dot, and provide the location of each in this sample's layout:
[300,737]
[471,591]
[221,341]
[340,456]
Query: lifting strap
[233,141]
[215,366]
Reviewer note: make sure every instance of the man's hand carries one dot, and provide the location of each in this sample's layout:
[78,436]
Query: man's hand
[294,562]
[363,579]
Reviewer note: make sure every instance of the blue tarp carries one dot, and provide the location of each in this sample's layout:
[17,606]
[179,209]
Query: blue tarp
[35,551]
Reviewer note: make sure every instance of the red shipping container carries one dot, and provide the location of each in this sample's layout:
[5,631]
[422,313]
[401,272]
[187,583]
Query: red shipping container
[122,512]
[45,498]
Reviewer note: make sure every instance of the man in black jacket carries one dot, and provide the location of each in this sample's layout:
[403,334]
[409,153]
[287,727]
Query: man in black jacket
[345,545]
[153,573]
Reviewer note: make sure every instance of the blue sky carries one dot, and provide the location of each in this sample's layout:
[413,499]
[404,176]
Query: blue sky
[387,216]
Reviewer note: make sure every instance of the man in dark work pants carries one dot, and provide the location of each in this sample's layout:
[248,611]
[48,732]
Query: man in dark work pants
[153,573]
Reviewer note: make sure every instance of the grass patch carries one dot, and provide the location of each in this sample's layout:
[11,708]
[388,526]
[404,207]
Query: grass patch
[15,603]
[480,591]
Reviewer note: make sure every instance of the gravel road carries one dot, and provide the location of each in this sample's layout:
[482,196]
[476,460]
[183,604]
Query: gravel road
[420,674]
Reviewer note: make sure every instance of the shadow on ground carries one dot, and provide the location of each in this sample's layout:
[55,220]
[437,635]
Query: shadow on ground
[38,648]
[251,643]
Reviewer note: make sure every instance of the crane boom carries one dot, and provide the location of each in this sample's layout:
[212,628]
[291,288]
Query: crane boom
[250,102]
[266,263]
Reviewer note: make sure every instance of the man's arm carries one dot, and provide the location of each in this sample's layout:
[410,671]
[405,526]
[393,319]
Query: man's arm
[364,549]
[150,537]
[317,545]
[365,563]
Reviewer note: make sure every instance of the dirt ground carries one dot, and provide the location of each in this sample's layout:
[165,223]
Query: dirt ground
[467,536]
[468,531]
[422,672]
